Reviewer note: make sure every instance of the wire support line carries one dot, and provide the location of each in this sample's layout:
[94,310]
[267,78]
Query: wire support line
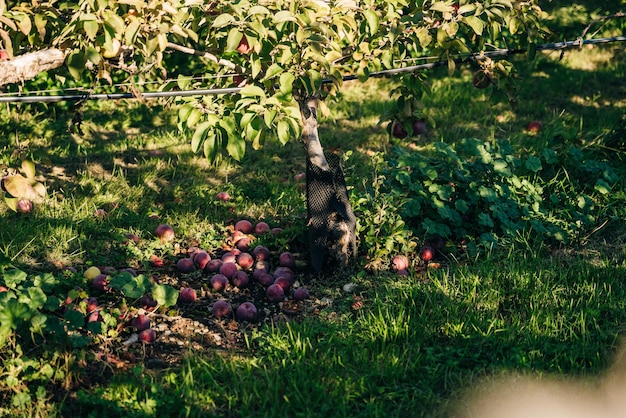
[498,53]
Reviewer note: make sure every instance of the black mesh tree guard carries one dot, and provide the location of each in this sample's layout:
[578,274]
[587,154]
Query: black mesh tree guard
[332,224]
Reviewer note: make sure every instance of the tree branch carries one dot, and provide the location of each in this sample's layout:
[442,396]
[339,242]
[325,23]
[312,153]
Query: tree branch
[28,66]
[207,55]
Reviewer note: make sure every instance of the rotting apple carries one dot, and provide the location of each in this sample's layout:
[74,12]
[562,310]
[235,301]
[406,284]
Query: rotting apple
[534,127]
[481,80]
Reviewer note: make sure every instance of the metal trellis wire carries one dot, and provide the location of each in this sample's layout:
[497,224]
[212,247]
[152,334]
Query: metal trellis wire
[498,53]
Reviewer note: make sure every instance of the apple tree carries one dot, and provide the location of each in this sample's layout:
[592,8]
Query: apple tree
[274,60]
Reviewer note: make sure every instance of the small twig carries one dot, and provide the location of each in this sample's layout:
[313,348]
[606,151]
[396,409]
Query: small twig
[600,19]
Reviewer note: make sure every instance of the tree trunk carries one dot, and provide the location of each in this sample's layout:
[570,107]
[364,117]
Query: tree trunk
[332,224]
[28,66]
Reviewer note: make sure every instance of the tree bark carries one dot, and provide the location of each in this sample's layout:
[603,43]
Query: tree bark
[28,66]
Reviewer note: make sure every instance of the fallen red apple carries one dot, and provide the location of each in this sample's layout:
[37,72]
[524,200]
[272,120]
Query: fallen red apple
[147,335]
[185,265]
[223,196]
[92,304]
[398,131]
[275,293]
[283,282]
[400,262]
[244,226]
[228,269]
[147,303]
[221,309]
[201,258]
[265,279]
[229,257]
[140,322]
[261,253]
[245,261]
[129,270]
[534,126]
[481,80]
[301,293]
[165,233]
[285,272]
[427,253]
[130,237]
[187,295]
[156,261]
[287,259]
[300,176]
[419,127]
[403,272]
[219,282]
[101,282]
[247,311]
[276,230]
[261,228]
[214,265]
[243,243]
[100,213]
[24,206]
[240,279]
[94,317]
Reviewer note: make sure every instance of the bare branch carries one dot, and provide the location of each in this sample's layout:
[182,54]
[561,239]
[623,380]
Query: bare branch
[28,66]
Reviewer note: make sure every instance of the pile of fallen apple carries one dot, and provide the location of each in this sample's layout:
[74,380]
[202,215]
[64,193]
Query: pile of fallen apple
[233,269]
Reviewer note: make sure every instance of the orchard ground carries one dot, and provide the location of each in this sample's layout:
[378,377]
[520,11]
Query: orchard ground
[384,344]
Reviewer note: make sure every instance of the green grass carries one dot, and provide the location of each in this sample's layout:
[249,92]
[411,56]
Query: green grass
[416,345]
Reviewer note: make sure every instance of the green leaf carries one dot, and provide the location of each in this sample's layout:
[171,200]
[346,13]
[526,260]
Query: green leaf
[252,91]
[372,20]
[233,40]
[199,135]
[165,295]
[91,28]
[131,31]
[533,164]
[28,167]
[286,83]
[14,277]
[441,6]
[282,130]
[223,20]
[284,16]
[602,187]
[76,64]
[210,148]
[476,24]
[272,72]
